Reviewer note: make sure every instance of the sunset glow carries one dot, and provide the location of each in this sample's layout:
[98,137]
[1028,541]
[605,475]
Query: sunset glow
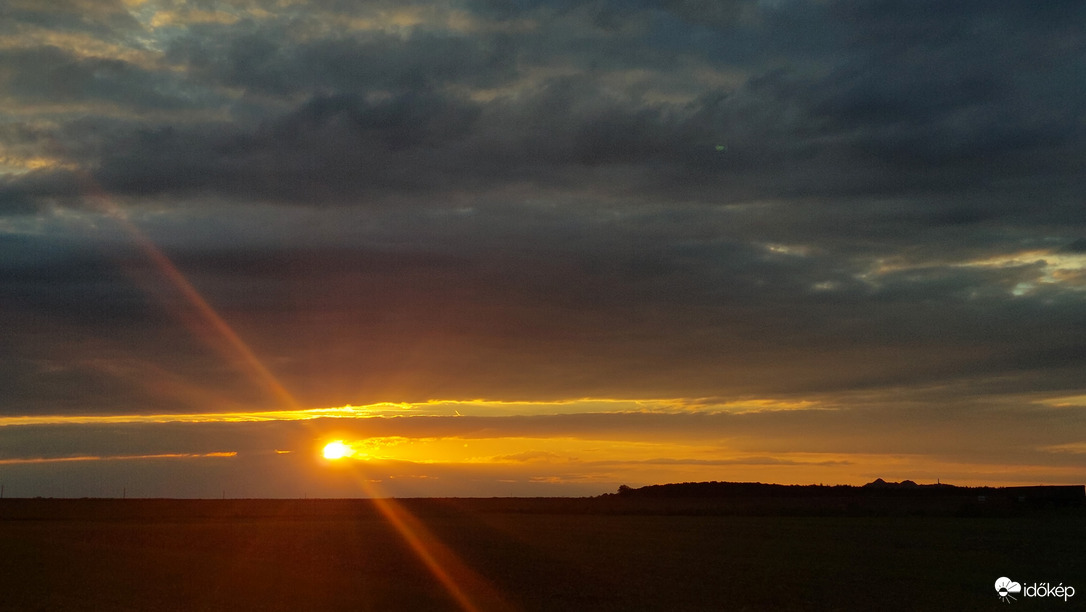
[452,249]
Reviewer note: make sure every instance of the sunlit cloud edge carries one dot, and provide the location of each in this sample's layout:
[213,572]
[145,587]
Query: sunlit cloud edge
[453,408]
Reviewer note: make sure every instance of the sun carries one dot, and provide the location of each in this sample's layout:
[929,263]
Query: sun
[337,450]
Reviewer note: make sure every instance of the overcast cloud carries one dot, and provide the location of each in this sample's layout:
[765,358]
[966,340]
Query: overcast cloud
[872,205]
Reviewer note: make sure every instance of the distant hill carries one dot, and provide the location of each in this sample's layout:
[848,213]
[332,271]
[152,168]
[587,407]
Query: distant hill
[744,489]
[1074,495]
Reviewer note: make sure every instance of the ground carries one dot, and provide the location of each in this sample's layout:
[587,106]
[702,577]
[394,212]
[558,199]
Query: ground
[514,554]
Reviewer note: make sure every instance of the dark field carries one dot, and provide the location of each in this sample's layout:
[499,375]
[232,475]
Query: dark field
[517,554]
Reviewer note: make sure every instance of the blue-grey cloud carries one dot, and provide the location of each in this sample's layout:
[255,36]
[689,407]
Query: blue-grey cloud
[541,200]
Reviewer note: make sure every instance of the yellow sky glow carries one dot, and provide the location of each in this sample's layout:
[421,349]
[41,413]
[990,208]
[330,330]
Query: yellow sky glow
[214,455]
[429,408]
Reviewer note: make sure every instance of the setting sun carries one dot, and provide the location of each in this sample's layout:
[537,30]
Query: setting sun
[336,450]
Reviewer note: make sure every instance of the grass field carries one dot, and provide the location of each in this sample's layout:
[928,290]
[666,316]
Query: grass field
[516,554]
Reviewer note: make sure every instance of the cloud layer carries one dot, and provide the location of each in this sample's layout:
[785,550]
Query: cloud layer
[544,201]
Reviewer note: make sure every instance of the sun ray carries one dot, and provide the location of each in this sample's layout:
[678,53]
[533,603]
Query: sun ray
[471,591]
[100,200]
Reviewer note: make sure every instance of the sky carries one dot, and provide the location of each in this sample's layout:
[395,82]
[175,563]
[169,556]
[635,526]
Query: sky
[539,248]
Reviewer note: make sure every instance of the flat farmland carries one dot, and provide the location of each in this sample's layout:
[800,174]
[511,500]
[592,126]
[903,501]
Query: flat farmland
[517,555]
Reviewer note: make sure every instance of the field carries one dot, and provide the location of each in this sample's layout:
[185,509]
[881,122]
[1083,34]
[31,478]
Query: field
[515,554]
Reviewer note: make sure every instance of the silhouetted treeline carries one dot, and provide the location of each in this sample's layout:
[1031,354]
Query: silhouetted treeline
[758,489]
[877,495]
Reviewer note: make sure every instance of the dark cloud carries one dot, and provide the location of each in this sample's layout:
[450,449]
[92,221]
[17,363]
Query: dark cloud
[1077,246]
[49,75]
[645,305]
[916,103]
[105,19]
[543,201]
[271,59]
